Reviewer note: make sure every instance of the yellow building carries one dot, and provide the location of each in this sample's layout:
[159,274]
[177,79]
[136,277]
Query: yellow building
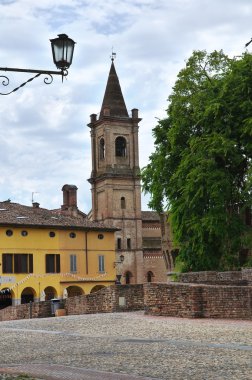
[48,254]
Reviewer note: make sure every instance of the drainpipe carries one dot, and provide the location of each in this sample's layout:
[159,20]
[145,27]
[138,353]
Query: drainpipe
[86,251]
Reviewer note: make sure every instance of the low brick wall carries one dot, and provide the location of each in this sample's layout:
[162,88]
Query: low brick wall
[247,275]
[107,300]
[243,277]
[198,301]
[26,311]
[234,302]
[172,299]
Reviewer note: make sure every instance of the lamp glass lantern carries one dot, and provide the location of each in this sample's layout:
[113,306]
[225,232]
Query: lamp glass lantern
[62,51]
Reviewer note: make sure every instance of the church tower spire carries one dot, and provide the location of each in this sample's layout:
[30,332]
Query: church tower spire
[115,177]
[113,98]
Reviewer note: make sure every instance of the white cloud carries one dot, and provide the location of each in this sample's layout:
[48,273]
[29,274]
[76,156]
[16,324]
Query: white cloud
[44,138]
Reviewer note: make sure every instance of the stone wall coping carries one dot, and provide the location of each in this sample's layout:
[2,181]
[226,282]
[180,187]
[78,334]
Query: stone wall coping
[195,285]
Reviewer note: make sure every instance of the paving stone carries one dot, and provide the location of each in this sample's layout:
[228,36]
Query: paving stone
[128,346]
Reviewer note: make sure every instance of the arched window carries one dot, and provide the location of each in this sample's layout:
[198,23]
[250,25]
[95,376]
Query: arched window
[149,276]
[123,203]
[119,243]
[120,147]
[128,276]
[102,149]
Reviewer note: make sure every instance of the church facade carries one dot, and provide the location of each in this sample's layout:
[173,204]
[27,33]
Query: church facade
[116,189]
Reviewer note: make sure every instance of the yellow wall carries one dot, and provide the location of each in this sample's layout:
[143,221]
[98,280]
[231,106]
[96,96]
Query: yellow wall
[86,246]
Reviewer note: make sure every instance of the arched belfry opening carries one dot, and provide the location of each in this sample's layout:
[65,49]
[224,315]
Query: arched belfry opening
[102,148]
[120,147]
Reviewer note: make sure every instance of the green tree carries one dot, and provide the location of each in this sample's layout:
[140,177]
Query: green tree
[201,170]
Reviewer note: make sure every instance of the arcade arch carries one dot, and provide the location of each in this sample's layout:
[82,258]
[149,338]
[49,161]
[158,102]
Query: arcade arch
[50,293]
[27,295]
[5,298]
[96,288]
[73,291]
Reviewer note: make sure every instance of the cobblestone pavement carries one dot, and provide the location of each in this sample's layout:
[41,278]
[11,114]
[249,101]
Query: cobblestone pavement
[124,345]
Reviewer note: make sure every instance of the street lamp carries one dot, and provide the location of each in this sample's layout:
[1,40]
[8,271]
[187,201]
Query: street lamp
[121,257]
[62,51]
[118,276]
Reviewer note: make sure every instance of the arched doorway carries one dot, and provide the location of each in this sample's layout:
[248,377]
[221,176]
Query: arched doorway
[96,288]
[5,298]
[149,276]
[73,291]
[128,276]
[50,293]
[27,295]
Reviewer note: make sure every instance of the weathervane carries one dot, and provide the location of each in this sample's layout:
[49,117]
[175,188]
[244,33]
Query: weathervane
[113,55]
[62,51]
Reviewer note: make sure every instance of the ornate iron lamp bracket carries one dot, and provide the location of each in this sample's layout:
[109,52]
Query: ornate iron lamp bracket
[47,80]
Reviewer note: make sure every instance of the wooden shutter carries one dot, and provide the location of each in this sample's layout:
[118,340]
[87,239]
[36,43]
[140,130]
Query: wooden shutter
[30,263]
[7,262]
[57,263]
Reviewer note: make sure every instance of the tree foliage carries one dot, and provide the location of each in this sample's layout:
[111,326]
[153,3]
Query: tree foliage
[201,168]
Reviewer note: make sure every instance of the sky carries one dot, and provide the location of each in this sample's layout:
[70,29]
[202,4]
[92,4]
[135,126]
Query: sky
[44,138]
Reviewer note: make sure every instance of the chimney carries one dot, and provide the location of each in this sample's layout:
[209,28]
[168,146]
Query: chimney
[134,112]
[69,200]
[35,205]
[93,118]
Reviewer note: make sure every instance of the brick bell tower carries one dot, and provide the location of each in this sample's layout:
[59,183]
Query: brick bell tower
[115,177]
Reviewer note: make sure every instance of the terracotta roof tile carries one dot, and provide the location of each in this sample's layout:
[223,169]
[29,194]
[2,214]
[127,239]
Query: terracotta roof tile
[150,216]
[15,214]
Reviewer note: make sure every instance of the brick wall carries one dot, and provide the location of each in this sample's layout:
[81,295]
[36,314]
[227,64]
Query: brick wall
[107,300]
[234,302]
[172,299]
[129,297]
[247,275]
[198,301]
[101,301]
[25,311]
[154,262]
[243,277]
[169,300]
